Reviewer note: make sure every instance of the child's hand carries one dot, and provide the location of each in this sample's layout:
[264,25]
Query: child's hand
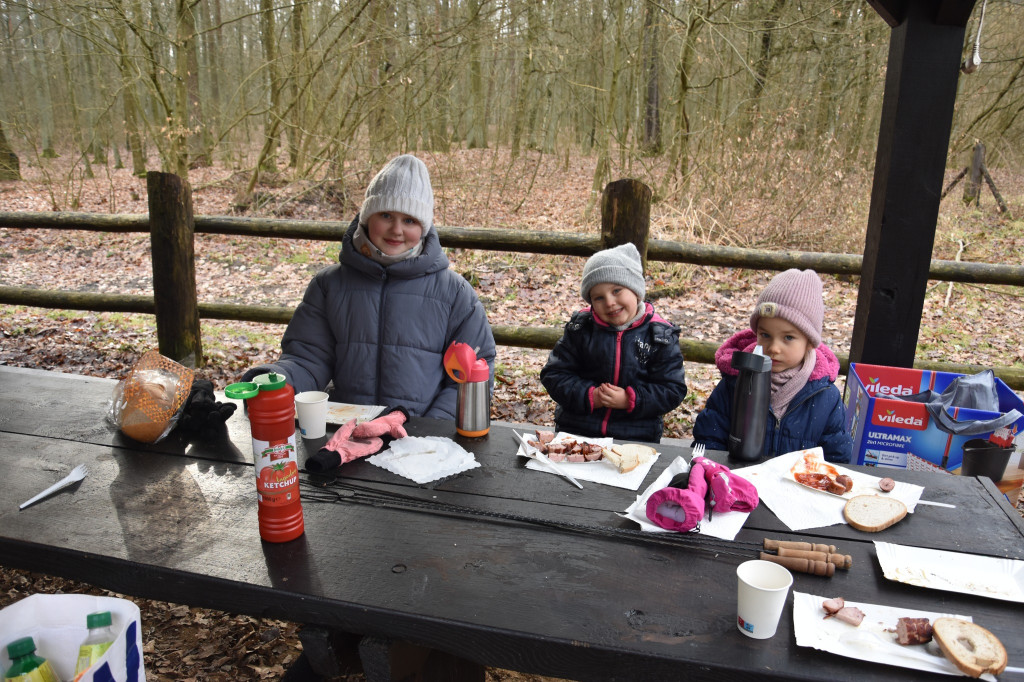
[610,395]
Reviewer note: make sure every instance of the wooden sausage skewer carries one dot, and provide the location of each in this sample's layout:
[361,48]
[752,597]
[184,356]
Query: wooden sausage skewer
[801,565]
[840,560]
[770,545]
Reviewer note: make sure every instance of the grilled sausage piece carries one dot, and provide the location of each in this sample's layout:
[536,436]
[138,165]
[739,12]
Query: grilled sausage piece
[913,631]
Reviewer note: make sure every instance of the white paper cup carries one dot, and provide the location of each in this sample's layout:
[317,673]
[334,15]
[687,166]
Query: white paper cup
[312,409]
[761,594]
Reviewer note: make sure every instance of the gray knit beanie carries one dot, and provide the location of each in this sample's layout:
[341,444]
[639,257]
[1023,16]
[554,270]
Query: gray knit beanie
[403,185]
[620,265]
[794,296]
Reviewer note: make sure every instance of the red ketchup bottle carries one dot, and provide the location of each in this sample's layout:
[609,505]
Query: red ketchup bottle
[271,404]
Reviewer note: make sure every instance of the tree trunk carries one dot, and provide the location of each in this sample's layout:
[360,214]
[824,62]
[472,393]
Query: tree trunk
[10,166]
[652,107]
[268,31]
[764,57]
[476,131]
[199,139]
[76,128]
[129,101]
[972,188]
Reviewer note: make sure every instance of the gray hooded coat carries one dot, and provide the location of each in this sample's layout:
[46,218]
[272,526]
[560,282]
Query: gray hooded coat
[380,333]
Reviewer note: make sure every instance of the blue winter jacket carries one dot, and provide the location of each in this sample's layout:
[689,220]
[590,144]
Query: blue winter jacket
[816,415]
[645,359]
[380,333]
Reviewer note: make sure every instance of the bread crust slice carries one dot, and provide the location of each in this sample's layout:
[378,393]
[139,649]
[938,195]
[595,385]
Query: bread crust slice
[628,456]
[872,513]
[971,648]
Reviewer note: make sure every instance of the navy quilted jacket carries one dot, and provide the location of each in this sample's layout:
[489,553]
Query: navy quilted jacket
[644,359]
[816,416]
[380,333]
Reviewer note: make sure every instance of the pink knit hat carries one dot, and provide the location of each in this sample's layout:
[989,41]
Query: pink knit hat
[794,296]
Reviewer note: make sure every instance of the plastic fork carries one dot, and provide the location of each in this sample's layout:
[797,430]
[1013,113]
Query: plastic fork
[698,451]
[76,475]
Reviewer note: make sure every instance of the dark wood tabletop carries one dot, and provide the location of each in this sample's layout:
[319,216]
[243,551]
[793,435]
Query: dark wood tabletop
[500,566]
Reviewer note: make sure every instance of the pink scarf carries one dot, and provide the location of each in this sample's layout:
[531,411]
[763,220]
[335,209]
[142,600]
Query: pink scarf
[786,384]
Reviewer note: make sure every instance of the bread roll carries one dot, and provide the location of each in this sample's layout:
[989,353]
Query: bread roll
[969,647]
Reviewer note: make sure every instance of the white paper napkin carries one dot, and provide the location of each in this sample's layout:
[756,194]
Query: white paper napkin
[724,526]
[800,507]
[601,471]
[425,459]
[872,639]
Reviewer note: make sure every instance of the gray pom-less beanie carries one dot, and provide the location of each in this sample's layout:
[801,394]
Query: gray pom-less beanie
[403,185]
[619,265]
[794,296]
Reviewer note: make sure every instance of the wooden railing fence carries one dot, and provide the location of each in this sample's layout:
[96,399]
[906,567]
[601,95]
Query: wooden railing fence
[625,212]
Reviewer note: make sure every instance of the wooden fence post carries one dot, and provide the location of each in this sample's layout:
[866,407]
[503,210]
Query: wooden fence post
[626,215]
[171,235]
[972,188]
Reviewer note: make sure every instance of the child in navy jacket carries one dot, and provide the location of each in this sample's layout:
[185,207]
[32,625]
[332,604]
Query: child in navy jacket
[617,368]
[806,408]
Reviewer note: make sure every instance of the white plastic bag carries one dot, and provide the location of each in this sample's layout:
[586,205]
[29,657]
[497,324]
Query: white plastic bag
[57,624]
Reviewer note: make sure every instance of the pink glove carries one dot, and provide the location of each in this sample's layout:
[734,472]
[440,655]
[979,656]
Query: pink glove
[680,509]
[729,492]
[387,424]
[341,448]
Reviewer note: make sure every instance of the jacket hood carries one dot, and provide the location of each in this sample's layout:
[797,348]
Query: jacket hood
[431,258]
[827,364]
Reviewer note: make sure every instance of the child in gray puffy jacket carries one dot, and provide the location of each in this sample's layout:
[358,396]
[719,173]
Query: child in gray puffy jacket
[378,322]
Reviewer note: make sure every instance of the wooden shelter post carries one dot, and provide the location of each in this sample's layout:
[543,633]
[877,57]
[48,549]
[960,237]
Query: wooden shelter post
[172,238]
[917,113]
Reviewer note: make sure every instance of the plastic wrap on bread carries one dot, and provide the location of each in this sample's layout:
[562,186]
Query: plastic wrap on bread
[147,403]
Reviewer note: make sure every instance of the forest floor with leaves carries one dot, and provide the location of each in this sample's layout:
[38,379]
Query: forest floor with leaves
[964,323]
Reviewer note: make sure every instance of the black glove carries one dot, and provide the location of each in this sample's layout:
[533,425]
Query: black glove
[202,413]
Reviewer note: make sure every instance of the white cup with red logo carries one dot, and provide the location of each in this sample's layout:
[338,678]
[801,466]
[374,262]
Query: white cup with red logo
[311,407]
[761,594]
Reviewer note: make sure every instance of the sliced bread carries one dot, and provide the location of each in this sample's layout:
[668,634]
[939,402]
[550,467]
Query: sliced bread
[628,456]
[872,513]
[969,647]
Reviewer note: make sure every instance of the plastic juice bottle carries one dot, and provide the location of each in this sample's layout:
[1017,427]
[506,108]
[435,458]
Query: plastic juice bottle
[100,637]
[271,404]
[25,665]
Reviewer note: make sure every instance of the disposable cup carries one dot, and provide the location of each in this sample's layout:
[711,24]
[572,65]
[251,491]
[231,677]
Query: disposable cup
[761,594]
[312,410]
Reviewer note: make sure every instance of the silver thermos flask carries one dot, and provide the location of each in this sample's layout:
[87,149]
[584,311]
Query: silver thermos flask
[473,408]
[750,405]
[473,402]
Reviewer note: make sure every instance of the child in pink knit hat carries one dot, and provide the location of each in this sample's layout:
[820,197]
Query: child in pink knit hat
[806,408]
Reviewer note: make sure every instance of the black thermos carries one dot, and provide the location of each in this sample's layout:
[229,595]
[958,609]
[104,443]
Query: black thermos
[750,405]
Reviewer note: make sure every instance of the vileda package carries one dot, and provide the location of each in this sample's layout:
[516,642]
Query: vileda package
[890,432]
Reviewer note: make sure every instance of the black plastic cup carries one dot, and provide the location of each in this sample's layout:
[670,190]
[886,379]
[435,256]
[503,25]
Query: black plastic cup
[985,458]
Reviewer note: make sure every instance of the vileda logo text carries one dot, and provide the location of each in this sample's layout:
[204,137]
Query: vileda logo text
[909,416]
[875,388]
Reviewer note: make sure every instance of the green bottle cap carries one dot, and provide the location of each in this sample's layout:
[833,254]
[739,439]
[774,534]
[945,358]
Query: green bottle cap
[21,647]
[100,619]
[270,382]
[243,390]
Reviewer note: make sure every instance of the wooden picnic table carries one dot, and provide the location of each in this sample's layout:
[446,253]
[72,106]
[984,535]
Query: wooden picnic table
[500,566]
